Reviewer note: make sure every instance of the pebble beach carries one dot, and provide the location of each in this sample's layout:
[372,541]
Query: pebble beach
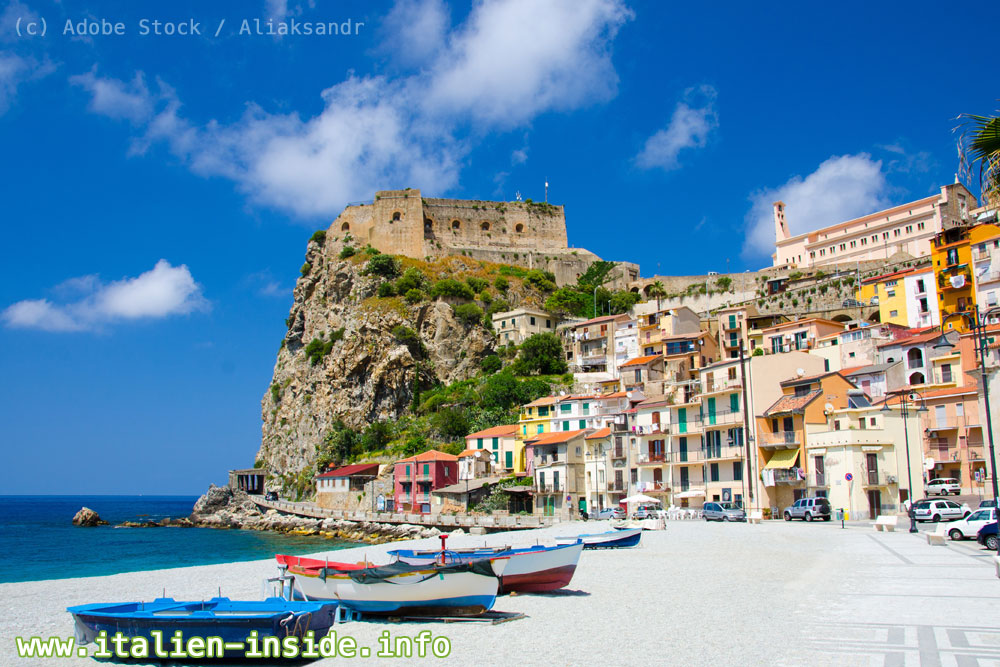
[693,594]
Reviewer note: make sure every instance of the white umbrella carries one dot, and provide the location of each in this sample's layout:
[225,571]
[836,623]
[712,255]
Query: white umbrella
[693,493]
[640,498]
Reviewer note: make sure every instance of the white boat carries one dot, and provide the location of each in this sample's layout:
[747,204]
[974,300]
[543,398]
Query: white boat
[612,539]
[531,569]
[463,589]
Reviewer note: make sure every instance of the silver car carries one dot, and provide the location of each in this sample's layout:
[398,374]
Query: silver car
[808,509]
[723,512]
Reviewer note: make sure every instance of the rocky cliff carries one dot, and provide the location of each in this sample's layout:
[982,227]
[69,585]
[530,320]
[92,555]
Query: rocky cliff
[343,357]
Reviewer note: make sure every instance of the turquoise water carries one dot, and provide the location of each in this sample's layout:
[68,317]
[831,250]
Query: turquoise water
[39,540]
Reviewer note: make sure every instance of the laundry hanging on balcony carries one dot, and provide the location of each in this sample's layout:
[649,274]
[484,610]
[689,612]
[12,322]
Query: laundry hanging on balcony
[958,281]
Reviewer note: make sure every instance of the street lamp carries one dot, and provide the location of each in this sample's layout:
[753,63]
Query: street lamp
[905,400]
[977,324]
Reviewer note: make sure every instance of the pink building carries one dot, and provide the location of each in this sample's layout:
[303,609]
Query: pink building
[415,477]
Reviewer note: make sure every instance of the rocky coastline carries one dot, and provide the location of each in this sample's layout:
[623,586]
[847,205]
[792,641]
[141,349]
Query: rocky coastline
[224,508]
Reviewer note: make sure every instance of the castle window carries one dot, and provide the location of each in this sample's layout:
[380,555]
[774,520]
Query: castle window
[456,225]
[397,216]
[346,227]
[485,226]
[428,225]
[519,228]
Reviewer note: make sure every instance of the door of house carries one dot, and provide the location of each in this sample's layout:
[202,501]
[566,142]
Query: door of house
[658,476]
[711,410]
[682,450]
[619,480]
[874,503]
[685,479]
[682,419]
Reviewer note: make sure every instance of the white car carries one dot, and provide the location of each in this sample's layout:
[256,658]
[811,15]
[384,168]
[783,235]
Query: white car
[968,528]
[943,487]
[936,510]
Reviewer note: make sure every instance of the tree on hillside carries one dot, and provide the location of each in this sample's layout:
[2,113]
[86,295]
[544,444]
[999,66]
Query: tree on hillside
[979,150]
[657,291]
[567,301]
[540,354]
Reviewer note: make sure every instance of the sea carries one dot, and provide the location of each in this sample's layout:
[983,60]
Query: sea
[40,541]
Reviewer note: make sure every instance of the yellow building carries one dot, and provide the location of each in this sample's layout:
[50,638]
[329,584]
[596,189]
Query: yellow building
[951,257]
[908,298]
[536,418]
[888,291]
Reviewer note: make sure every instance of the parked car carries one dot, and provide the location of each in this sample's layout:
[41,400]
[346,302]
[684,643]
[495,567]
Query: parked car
[941,509]
[723,512]
[271,495]
[969,526]
[611,513]
[851,303]
[809,509]
[987,503]
[644,512]
[988,536]
[943,486]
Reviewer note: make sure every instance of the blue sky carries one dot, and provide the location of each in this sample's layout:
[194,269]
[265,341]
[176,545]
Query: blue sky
[158,190]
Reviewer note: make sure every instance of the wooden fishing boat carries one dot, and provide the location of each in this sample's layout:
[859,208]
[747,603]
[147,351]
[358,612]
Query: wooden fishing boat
[459,589]
[231,620]
[532,569]
[612,539]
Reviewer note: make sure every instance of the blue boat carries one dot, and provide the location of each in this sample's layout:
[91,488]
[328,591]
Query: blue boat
[613,539]
[230,620]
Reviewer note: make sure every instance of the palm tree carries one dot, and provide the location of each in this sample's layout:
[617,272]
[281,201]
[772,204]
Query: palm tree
[979,148]
[657,291]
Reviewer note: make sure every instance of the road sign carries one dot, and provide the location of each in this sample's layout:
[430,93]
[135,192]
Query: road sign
[849,477]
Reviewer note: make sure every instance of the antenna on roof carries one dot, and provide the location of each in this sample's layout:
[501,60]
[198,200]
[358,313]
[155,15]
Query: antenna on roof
[517,195]
[546,191]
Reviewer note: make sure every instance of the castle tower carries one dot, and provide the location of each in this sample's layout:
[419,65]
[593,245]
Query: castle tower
[780,226]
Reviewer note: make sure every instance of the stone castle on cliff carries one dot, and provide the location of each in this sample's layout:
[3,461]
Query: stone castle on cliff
[523,233]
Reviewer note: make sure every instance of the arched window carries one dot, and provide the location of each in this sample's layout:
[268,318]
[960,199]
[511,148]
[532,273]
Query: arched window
[397,216]
[915,358]
[346,227]
[456,225]
[428,225]
[917,378]
[519,228]
[485,226]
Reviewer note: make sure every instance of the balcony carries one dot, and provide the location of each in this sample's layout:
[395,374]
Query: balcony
[618,453]
[712,387]
[652,459]
[787,476]
[547,488]
[423,477]
[723,418]
[692,456]
[616,486]
[729,325]
[874,478]
[818,479]
[651,429]
[780,440]
[727,452]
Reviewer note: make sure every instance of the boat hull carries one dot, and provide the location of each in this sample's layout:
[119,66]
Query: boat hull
[231,621]
[531,570]
[418,592]
[613,539]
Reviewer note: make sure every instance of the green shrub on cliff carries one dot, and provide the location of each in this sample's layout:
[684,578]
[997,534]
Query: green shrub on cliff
[347,251]
[541,280]
[319,237]
[502,284]
[413,296]
[477,284]
[449,287]
[318,348]
[411,279]
[306,268]
[386,266]
[386,290]
[540,354]
[469,313]
[490,364]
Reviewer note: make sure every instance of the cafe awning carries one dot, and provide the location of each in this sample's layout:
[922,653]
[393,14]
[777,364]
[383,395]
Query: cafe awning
[782,458]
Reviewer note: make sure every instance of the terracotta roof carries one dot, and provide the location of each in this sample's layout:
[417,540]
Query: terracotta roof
[851,371]
[903,272]
[639,361]
[556,437]
[652,401]
[791,403]
[798,323]
[617,394]
[366,469]
[806,378]
[597,320]
[544,400]
[600,433]
[949,391]
[430,455]
[496,431]
[933,334]
[470,452]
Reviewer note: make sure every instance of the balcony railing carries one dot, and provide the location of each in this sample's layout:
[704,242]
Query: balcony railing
[691,456]
[726,385]
[616,486]
[818,479]
[618,453]
[780,438]
[726,452]
[652,459]
[724,417]
[787,476]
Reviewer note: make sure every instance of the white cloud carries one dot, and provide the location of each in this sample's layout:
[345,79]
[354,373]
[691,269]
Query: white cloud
[906,161]
[842,187]
[514,59]
[520,156]
[9,19]
[510,61]
[265,284]
[15,70]
[689,127]
[415,31]
[160,292]
[116,99]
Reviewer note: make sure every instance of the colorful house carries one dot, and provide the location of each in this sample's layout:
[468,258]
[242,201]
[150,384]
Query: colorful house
[415,477]
[558,466]
[498,441]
